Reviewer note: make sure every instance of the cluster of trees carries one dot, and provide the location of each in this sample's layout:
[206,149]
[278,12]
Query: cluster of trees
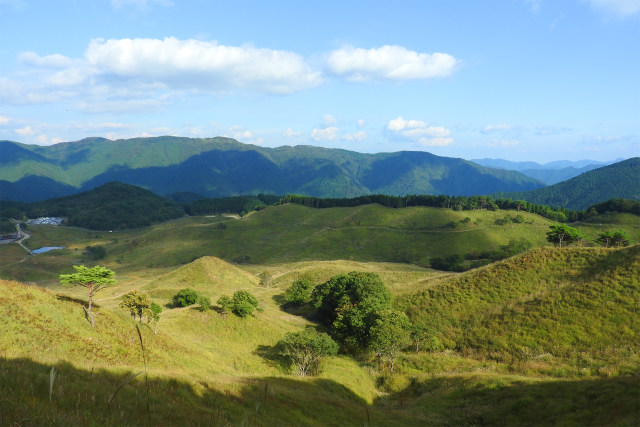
[236,204]
[356,310]
[563,235]
[457,203]
[187,296]
[475,259]
[109,207]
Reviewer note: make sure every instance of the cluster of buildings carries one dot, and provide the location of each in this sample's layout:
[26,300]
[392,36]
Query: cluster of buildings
[48,220]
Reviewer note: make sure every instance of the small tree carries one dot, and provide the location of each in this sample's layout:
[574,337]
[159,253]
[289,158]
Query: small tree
[137,303]
[244,303]
[562,235]
[305,349]
[241,304]
[390,334]
[423,337]
[605,239]
[204,302]
[265,279]
[153,316]
[620,239]
[226,304]
[94,279]
[185,298]
[300,292]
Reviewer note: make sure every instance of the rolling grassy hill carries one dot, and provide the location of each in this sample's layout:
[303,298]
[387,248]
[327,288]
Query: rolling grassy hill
[217,167]
[510,330]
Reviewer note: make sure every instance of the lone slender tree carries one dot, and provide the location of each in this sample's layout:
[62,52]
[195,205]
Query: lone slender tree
[94,279]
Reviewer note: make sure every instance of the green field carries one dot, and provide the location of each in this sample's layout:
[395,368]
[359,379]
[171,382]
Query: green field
[548,337]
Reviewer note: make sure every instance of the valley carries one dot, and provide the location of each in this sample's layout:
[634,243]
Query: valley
[551,328]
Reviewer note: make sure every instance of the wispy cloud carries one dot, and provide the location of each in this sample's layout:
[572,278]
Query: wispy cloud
[619,8]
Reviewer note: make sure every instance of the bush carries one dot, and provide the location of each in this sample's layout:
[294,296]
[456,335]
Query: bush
[96,252]
[241,304]
[204,302]
[299,293]
[244,303]
[225,303]
[185,298]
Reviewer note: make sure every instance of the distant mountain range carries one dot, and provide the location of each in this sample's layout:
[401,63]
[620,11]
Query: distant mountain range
[218,167]
[549,173]
[619,180]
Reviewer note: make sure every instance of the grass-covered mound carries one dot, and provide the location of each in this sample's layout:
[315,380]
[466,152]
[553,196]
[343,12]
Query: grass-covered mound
[561,312]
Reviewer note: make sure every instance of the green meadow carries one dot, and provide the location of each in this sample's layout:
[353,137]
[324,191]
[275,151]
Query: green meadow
[546,337]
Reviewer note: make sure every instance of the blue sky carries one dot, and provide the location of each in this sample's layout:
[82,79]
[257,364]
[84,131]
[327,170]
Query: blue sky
[537,80]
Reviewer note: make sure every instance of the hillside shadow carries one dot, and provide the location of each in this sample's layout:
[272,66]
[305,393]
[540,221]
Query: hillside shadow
[101,397]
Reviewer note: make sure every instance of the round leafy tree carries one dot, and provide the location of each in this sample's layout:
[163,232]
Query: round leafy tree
[299,293]
[305,349]
[348,305]
[185,297]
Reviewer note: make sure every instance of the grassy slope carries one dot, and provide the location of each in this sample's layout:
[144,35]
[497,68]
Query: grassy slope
[217,370]
[553,311]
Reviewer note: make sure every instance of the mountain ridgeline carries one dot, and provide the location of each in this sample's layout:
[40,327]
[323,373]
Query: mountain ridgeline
[619,180]
[219,167]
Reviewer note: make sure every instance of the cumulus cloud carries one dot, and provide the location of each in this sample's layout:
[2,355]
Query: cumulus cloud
[420,132]
[203,65]
[25,131]
[329,120]
[361,123]
[620,8]
[326,134]
[4,120]
[290,133]
[389,63]
[357,136]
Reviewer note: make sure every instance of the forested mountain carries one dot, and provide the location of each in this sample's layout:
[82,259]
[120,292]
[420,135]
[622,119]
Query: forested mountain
[619,180]
[218,167]
[549,173]
[111,206]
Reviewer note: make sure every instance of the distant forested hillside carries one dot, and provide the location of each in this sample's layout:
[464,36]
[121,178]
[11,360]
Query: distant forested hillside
[220,167]
[619,180]
[111,206]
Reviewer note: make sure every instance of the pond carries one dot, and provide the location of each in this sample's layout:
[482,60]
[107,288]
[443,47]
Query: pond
[46,249]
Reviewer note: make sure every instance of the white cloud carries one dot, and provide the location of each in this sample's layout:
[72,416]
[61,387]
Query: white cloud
[620,8]
[142,4]
[329,120]
[25,131]
[326,134]
[435,142]
[357,136]
[496,128]
[4,120]
[420,132]
[503,143]
[202,65]
[361,123]
[48,61]
[290,133]
[389,63]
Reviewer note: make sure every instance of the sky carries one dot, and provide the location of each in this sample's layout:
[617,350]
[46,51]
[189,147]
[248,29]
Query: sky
[522,80]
